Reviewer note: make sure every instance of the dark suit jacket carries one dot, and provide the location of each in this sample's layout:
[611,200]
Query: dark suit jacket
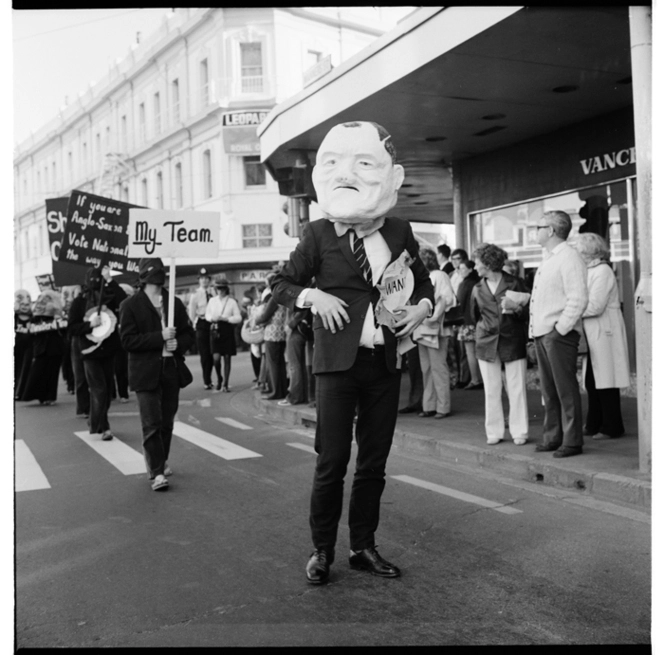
[140,332]
[327,257]
[495,332]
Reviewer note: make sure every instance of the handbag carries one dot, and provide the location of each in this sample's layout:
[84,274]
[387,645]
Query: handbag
[185,376]
[251,334]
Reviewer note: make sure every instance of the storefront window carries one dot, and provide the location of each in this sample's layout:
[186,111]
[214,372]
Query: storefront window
[605,210]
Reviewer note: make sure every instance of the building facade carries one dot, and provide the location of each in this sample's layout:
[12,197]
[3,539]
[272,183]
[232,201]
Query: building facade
[173,126]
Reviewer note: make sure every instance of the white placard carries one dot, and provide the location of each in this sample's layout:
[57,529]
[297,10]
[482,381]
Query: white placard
[174,234]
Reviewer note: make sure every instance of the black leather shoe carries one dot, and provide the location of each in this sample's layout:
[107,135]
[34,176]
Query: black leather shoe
[369,560]
[410,409]
[427,414]
[546,447]
[568,451]
[318,566]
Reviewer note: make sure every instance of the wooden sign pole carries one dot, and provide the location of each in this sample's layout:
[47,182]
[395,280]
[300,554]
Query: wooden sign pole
[171,294]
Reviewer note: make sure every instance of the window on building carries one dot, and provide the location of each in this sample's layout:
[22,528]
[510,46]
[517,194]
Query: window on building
[124,133]
[204,83]
[46,186]
[251,67]
[39,186]
[254,171]
[70,165]
[40,240]
[25,248]
[175,98]
[207,174]
[160,190]
[142,128]
[179,197]
[108,138]
[98,143]
[53,176]
[144,192]
[84,156]
[312,58]
[157,114]
[125,194]
[257,235]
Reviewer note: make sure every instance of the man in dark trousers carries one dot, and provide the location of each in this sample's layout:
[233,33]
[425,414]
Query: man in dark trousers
[154,350]
[355,361]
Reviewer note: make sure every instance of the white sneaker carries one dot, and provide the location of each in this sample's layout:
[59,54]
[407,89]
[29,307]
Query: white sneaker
[520,442]
[160,483]
[493,442]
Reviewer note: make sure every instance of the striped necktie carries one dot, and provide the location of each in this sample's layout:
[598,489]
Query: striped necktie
[361,256]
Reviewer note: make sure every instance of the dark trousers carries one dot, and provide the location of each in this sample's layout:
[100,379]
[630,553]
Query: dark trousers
[556,363]
[457,361]
[415,377]
[297,366]
[604,413]
[99,374]
[275,365]
[204,351]
[370,387]
[81,388]
[158,408]
[121,373]
[255,365]
[67,368]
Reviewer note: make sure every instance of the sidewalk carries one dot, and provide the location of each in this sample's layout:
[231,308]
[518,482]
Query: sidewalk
[607,470]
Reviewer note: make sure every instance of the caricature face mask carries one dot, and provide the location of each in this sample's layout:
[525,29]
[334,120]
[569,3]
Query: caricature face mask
[22,301]
[354,177]
[48,304]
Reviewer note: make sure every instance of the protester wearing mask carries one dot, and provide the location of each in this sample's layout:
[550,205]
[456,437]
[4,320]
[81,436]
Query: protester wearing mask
[98,307]
[154,350]
[47,332]
[22,341]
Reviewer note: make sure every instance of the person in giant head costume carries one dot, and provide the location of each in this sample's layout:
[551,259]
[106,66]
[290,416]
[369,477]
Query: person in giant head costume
[356,362]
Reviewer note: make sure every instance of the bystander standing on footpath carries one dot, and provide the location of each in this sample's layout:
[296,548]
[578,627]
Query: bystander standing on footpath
[559,298]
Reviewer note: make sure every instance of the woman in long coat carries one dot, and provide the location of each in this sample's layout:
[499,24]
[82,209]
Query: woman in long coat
[607,366]
[500,338]
[22,341]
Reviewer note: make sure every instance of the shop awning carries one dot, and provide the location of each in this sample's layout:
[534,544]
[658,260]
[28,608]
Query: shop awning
[452,82]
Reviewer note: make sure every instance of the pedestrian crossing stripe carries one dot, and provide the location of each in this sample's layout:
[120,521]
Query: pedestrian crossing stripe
[301,446]
[211,443]
[459,495]
[29,475]
[233,423]
[118,453]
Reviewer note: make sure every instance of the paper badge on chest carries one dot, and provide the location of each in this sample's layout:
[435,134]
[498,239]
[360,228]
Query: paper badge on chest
[396,287]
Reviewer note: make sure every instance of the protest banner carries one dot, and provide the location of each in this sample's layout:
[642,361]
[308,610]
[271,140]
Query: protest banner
[45,282]
[64,274]
[170,235]
[97,232]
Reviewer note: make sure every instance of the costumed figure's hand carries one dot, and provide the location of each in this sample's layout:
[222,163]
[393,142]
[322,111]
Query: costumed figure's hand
[168,333]
[171,345]
[330,309]
[414,315]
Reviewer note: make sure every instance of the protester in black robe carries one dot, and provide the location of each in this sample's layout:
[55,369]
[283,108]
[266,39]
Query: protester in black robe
[47,333]
[22,341]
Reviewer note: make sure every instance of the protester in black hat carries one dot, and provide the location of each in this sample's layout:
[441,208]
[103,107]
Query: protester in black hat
[197,306]
[96,308]
[223,313]
[154,350]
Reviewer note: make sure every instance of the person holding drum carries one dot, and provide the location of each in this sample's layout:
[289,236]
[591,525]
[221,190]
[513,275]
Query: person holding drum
[92,317]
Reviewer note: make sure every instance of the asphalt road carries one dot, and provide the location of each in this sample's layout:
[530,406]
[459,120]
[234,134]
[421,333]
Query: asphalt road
[218,559]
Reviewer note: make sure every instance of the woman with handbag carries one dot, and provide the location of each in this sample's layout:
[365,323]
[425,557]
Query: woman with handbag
[466,331]
[223,314]
[432,339]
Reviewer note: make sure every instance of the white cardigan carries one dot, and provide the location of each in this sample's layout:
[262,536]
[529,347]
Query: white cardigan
[605,329]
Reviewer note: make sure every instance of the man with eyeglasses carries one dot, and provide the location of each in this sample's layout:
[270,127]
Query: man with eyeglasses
[558,300]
